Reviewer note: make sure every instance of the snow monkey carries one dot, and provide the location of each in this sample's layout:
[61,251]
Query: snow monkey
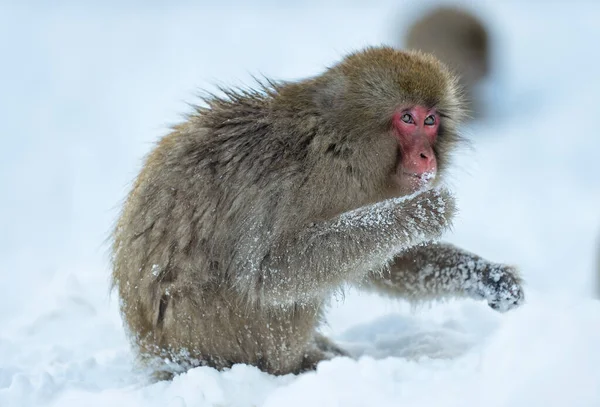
[460,40]
[249,215]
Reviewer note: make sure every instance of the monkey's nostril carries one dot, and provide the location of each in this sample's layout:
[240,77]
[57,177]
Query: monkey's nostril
[424,156]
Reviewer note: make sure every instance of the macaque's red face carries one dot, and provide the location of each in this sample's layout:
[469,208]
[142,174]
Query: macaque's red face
[416,129]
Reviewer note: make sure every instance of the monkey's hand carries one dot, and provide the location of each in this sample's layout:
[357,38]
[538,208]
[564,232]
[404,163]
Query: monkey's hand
[429,214]
[501,286]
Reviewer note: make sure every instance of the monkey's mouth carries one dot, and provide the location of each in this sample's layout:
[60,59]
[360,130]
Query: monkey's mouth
[410,182]
[424,177]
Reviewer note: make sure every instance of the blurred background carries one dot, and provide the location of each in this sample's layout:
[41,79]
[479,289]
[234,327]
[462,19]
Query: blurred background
[86,88]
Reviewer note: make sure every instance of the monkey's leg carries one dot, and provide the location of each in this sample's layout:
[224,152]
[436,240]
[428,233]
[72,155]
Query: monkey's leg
[328,346]
[324,255]
[441,270]
[321,348]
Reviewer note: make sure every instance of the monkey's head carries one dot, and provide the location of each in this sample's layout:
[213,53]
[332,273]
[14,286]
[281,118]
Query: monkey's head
[456,36]
[393,114]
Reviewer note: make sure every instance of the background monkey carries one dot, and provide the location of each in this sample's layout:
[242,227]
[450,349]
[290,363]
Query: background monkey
[460,40]
[249,215]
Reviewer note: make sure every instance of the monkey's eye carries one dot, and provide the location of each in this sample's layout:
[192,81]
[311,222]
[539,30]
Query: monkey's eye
[429,120]
[407,118]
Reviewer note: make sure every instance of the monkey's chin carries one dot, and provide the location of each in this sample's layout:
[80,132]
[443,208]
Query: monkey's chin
[409,183]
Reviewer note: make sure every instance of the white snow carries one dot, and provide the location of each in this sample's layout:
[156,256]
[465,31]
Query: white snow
[86,89]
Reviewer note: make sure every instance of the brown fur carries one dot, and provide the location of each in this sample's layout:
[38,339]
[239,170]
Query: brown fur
[250,214]
[461,41]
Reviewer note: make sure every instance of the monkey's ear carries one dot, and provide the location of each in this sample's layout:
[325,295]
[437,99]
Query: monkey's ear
[330,92]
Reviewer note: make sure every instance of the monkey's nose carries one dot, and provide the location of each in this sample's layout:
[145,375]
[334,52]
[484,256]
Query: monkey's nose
[423,161]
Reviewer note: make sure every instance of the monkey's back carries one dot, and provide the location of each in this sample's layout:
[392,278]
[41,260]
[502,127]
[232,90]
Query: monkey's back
[176,264]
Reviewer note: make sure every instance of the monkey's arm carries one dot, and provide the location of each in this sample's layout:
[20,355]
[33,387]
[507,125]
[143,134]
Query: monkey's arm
[324,255]
[439,270]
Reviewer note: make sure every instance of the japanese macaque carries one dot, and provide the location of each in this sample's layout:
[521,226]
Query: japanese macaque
[461,41]
[246,218]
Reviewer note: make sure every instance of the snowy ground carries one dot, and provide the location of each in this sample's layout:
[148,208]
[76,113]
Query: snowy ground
[85,91]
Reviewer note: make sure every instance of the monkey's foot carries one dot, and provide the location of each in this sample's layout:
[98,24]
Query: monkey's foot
[329,347]
[311,359]
[501,286]
[322,348]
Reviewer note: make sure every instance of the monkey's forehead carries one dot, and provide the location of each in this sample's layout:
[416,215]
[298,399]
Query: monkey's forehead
[389,74]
